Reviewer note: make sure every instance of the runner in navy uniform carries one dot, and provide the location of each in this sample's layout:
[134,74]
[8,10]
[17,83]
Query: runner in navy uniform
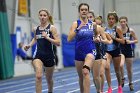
[101,54]
[127,51]
[45,36]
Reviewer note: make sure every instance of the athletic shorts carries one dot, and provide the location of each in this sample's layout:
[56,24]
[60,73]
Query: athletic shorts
[114,53]
[128,53]
[80,55]
[100,56]
[47,62]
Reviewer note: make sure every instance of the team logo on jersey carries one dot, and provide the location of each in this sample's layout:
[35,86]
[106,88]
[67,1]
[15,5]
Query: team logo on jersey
[127,36]
[94,52]
[47,32]
[114,34]
[90,26]
[38,36]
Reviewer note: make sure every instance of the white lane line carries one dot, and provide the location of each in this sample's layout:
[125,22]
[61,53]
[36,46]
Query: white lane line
[137,91]
[33,78]
[57,80]
[125,84]
[75,90]
[61,81]
[105,82]
[46,84]
[42,90]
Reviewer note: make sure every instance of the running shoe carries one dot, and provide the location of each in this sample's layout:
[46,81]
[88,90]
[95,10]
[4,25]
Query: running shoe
[120,89]
[109,90]
[131,86]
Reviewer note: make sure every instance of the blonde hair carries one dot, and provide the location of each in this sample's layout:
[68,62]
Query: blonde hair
[49,15]
[99,18]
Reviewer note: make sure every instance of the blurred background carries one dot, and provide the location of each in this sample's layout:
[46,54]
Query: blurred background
[18,17]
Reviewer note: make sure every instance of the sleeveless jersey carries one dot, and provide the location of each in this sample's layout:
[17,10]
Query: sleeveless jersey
[115,44]
[44,47]
[100,49]
[127,36]
[84,40]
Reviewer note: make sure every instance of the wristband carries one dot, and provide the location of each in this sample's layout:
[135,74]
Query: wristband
[76,30]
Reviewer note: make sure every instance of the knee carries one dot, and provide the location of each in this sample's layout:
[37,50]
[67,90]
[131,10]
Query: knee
[96,78]
[107,68]
[121,66]
[38,76]
[107,65]
[86,70]
[101,74]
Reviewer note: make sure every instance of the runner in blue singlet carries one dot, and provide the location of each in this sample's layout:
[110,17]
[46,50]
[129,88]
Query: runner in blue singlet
[85,51]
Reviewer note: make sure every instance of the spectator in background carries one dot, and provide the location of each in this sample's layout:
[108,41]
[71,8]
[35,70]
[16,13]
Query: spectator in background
[21,53]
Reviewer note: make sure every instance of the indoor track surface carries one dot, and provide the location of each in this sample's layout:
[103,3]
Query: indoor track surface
[66,81]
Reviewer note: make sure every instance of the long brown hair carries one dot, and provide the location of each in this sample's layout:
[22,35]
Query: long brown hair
[81,5]
[113,14]
[124,17]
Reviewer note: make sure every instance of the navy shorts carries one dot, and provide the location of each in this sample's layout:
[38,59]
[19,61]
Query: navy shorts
[114,53]
[128,53]
[100,56]
[47,62]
